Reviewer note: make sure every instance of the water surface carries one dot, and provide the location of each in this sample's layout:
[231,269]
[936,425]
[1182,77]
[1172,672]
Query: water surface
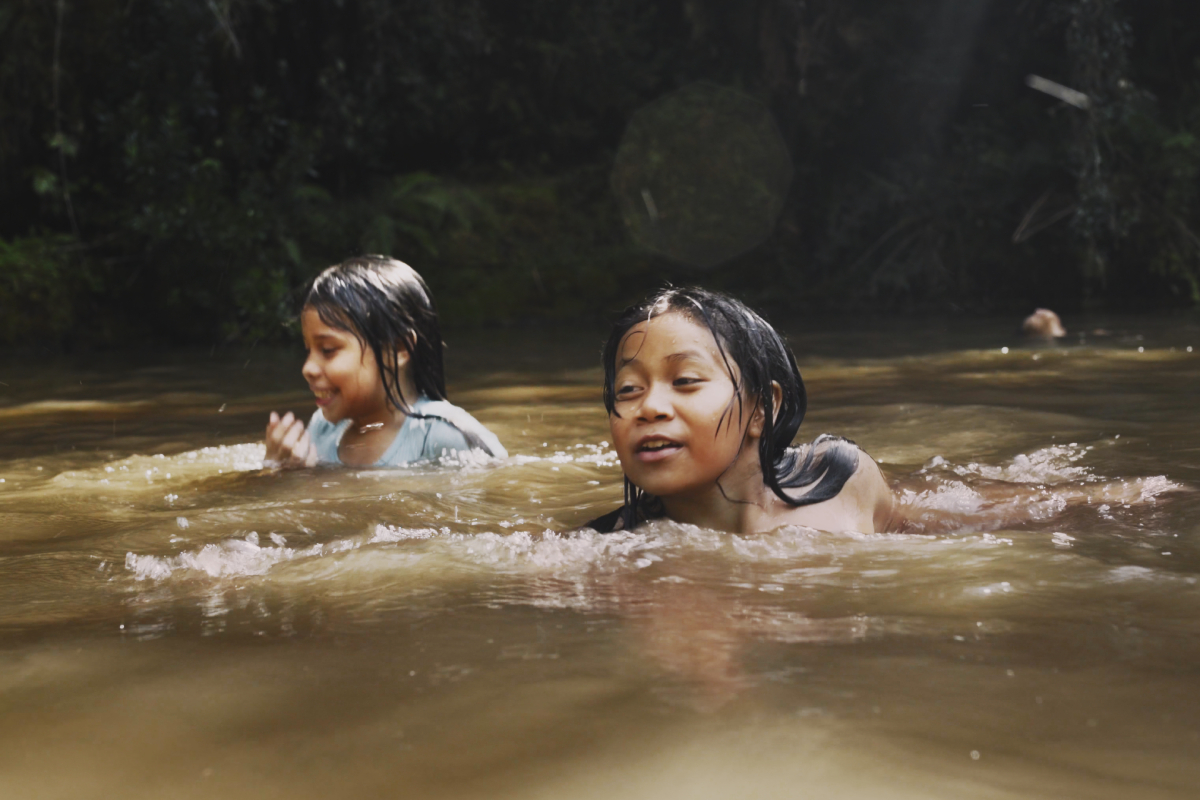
[177,622]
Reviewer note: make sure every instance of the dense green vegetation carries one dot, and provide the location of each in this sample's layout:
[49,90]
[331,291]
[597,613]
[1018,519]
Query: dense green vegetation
[175,170]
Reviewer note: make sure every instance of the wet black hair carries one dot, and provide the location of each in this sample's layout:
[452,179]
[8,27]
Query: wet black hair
[386,305]
[748,342]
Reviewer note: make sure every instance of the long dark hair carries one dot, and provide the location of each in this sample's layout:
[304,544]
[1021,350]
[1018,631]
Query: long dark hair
[754,356]
[386,305]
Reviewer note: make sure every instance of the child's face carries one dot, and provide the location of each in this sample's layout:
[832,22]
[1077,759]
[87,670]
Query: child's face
[671,389]
[343,376]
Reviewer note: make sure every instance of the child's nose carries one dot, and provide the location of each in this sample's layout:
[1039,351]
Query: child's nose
[310,370]
[656,403]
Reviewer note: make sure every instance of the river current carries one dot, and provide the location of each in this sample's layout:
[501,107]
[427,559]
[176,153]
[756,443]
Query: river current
[177,622]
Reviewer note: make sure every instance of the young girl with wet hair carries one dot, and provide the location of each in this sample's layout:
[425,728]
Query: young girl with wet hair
[375,366]
[704,399]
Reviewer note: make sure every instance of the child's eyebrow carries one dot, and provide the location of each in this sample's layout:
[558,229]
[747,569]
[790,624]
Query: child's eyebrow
[322,337]
[685,355]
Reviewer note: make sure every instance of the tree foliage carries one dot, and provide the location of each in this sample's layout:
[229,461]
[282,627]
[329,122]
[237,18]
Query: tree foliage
[179,169]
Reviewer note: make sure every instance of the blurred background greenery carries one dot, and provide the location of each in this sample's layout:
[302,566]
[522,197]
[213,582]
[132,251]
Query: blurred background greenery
[174,171]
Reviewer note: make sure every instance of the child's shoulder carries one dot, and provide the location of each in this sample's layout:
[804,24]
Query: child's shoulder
[445,428]
[865,501]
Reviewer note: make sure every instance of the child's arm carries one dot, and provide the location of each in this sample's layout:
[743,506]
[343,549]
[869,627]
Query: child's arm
[288,445]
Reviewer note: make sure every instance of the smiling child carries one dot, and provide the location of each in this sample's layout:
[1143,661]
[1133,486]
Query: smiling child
[375,367]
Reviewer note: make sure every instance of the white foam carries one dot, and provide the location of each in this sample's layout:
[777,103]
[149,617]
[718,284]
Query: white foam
[547,552]
[230,558]
[955,497]
[592,454]
[557,552]
[468,460]
[1155,485]
[1053,464]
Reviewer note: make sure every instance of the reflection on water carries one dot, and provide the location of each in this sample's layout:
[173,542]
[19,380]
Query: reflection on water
[177,622]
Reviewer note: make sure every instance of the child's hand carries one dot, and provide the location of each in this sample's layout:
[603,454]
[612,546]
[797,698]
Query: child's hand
[288,446]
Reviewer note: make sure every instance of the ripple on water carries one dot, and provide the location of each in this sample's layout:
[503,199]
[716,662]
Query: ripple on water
[139,471]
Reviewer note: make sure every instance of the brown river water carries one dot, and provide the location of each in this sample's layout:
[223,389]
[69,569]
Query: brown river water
[176,622]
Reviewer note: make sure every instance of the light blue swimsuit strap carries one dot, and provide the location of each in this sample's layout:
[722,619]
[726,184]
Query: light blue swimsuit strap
[452,429]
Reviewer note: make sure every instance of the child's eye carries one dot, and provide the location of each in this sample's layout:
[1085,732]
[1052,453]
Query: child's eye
[628,389]
[328,351]
[686,381]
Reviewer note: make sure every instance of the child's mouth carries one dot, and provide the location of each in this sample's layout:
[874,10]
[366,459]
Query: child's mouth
[324,397]
[656,449]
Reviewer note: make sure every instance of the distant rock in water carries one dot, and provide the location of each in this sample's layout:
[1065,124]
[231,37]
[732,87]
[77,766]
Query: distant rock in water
[1043,323]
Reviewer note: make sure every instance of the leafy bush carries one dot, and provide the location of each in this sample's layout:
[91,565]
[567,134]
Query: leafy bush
[41,278]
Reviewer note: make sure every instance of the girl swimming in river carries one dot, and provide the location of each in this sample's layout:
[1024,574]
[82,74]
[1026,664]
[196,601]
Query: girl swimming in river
[703,401]
[375,366]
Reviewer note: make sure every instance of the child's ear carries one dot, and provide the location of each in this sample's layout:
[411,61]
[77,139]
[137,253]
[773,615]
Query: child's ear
[404,354]
[759,418]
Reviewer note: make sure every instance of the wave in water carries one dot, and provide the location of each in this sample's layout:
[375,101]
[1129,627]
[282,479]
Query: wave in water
[548,552]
